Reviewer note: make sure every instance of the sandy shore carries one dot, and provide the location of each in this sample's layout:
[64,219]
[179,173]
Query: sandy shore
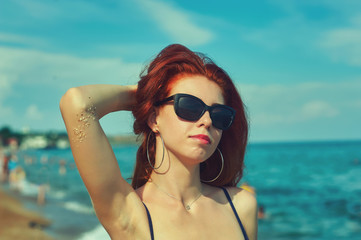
[16,222]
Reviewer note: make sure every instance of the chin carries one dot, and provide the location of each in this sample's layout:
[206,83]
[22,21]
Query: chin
[201,158]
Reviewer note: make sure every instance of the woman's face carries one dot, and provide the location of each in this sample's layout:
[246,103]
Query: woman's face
[190,141]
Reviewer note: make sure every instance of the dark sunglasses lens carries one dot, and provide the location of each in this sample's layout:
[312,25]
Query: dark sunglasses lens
[189,108]
[222,117]
[192,109]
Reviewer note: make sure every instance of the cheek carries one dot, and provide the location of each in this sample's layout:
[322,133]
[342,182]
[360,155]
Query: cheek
[174,131]
[166,117]
[217,135]
[169,123]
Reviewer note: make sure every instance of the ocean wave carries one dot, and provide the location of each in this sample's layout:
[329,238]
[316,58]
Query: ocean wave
[28,188]
[58,194]
[77,207]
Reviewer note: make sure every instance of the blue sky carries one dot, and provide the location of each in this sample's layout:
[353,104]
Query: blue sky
[297,64]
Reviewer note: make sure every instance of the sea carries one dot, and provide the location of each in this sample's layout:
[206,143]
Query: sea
[308,190]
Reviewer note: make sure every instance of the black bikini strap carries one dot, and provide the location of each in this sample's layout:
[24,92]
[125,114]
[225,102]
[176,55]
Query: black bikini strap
[150,222]
[235,213]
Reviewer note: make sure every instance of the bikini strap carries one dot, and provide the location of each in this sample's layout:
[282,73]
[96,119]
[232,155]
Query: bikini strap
[150,222]
[235,213]
[230,202]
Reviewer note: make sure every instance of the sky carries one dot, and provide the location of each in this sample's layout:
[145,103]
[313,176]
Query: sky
[296,64]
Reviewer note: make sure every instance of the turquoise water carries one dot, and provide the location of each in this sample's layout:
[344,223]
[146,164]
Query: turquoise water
[310,190]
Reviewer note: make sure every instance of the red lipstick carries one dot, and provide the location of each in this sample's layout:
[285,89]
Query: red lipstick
[202,138]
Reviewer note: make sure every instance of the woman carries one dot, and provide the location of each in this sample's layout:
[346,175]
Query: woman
[194,131]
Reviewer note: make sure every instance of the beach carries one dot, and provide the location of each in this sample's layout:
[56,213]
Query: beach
[308,190]
[18,222]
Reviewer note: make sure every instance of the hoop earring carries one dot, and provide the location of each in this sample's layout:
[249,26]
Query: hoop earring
[220,172]
[154,168]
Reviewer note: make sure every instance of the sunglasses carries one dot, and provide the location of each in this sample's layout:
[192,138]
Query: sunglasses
[191,108]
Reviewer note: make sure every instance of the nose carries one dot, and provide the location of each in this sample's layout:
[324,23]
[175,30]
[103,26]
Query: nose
[205,120]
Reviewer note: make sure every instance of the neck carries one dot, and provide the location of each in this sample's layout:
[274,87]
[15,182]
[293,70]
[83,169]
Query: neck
[176,178]
[181,182]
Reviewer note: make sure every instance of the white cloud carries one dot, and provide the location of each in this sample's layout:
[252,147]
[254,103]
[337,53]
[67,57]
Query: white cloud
[65,10]
[5,88]
[271,105]
[4,84]
[296,27]
[49,75]
[33,113]
[37,67]
[38,9]
[176,22]
[26,40]
[343,44]
[317,109]
[291,28]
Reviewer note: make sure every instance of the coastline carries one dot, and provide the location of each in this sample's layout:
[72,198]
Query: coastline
[315,167]
[17,222]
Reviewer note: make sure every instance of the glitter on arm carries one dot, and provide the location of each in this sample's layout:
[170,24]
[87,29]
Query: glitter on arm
[84,119]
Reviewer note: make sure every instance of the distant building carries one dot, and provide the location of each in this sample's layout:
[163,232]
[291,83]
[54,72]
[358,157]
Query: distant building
[62,143]
[37,142]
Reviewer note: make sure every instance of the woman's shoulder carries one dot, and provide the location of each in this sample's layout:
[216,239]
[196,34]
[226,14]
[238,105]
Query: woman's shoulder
[244,201]
[246,206]
[241,198]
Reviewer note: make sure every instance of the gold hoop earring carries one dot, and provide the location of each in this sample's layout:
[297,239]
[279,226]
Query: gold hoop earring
[220,172]
[151,165]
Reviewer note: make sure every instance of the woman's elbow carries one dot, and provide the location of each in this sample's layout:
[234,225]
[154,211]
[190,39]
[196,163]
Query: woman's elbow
[70,100]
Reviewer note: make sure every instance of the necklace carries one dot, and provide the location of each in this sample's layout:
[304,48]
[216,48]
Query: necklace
[186,206]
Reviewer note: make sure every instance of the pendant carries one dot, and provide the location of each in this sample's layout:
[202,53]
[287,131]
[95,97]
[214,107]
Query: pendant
[188,208]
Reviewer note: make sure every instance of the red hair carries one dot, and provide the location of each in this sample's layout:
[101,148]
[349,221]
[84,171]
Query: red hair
[155,84]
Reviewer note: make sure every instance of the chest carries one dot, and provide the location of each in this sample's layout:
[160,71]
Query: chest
[200,225]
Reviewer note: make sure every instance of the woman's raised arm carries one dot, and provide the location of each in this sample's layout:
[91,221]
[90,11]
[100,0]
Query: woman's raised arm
[114,200]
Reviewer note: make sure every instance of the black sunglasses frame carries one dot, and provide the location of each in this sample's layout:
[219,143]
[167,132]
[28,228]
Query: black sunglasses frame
[210,109]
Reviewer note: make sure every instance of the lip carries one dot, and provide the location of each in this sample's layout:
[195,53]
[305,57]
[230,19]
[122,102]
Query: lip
[202,138]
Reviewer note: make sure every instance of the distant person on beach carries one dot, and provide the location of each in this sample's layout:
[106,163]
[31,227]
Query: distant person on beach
[194,134]
[42,189]
[261,212]
[62,167]
[248,188]
[4,164]
[17,177]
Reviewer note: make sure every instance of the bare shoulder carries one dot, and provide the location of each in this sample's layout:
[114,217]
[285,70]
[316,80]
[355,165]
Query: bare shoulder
[243,200]
[246,207]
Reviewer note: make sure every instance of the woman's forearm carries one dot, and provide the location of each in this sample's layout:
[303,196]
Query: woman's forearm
[81,109]
[102,99]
